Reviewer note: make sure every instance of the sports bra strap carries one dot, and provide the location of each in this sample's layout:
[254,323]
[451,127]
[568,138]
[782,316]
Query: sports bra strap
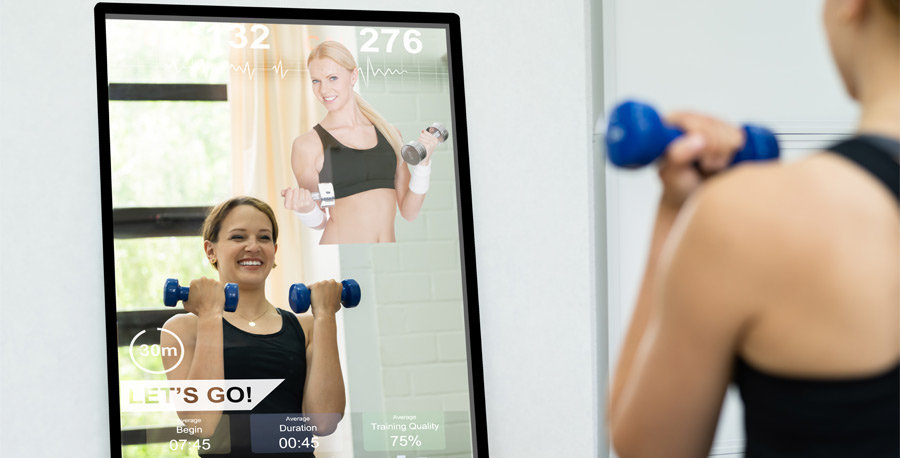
[878,155]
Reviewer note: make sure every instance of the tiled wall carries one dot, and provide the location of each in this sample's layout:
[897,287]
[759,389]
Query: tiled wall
[406,346]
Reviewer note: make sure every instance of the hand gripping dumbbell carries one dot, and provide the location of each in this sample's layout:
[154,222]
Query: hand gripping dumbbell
[172,293]
[636,136]
[325,194]
[413,152]
[299,295]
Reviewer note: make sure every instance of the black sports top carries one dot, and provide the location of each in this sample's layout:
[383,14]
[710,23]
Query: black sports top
[353,171]
[263,356]
[788,417]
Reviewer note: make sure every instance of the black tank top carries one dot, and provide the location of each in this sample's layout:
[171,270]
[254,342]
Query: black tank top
[268,356]
[353,171]
[787,417]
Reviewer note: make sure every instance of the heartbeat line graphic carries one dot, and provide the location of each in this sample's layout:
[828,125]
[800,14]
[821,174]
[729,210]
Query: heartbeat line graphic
[372,71]
[365,74]
[202,68]
[278,68]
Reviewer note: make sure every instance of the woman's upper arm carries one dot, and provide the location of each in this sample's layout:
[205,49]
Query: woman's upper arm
[185,327]
[306,323]
[307,157]
[401,173]
[684,364]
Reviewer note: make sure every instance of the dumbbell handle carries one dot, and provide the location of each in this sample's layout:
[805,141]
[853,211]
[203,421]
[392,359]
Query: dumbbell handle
[325,195]
[299,295]
[636,136]
[173,292]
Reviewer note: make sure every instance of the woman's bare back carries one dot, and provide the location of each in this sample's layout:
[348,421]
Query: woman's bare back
[835,244]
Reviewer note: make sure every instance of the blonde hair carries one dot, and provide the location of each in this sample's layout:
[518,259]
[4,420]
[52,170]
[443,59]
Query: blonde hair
[342,56]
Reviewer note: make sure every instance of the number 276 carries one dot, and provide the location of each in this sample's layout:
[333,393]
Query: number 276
[411,41]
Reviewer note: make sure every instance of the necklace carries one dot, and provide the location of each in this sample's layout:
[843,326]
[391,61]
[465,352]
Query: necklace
[252,322]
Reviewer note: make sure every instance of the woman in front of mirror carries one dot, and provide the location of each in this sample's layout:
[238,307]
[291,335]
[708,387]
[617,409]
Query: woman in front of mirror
[781,277]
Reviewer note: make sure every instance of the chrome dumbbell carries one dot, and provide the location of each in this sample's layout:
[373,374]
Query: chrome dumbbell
[413,152]
[325,194]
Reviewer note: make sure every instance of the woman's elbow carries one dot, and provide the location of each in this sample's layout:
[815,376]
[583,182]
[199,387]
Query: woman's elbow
[622,439]
[204,434]
[630,443]
[619,442]
[626,448]
[409,215]
[325,424]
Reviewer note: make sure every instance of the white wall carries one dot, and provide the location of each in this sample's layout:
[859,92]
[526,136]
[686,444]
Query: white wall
[765,62]
[528,109]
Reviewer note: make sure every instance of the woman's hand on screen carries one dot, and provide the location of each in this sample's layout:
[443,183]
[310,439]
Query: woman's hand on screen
[325,298]
[298,199]
[207,298]
[430,142]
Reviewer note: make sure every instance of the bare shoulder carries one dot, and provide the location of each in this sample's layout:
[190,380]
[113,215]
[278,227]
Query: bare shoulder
[737,203]
[184,325]
[308,144]
[792,198]
[778,215]
[747,224]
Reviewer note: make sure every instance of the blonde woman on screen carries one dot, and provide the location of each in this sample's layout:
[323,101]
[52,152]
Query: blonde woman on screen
[358,152]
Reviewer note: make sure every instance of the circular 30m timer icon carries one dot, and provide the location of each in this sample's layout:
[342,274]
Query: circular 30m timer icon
[156,350]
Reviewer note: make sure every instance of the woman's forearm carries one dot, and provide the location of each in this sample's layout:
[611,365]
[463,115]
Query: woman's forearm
[665,218]
[207,364]
[411,205]
[411,188]
[324,391]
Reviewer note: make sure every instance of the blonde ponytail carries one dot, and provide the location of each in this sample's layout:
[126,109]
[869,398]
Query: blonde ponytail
[380,123]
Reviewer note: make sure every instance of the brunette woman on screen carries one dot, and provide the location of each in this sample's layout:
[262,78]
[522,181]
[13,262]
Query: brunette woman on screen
[358,151]
[783,278]
[258,340]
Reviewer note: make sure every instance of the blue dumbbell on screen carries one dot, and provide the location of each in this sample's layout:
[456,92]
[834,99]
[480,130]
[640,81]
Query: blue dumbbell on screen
[172,293]
[299,295]
[636,136]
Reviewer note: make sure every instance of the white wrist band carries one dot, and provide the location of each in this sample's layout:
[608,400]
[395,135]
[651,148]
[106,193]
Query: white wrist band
[420,179]
[312,218]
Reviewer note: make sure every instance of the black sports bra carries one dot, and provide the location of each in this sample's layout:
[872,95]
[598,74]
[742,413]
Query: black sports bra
[791,417]
[352,171]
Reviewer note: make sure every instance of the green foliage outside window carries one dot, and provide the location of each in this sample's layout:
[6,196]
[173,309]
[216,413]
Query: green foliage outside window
[164,154]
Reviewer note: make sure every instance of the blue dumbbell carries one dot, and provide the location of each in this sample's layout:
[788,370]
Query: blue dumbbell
[172,293]
[298,296]
[636,136]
